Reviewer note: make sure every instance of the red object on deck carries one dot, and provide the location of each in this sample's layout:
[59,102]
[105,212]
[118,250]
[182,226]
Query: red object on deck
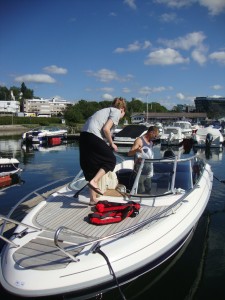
[54,141]
[5,181]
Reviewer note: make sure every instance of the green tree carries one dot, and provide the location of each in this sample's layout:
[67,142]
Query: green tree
[73,115]
[4,93]
[27,93]
[134,106]
[156,107]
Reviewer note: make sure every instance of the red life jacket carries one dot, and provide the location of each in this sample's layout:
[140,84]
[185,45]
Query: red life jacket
[112,212]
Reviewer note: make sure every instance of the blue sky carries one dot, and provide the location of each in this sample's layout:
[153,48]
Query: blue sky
[166,51]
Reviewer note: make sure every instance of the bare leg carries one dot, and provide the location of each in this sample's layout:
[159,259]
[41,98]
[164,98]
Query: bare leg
[94,182]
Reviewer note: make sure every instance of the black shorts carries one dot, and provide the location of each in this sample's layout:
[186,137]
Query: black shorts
[95,154]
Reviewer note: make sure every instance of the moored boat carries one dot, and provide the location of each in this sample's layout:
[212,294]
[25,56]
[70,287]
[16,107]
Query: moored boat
[128,135]
[45,135]
[186,128]
[208,137]
[56,250]
[171,136]
[9,166]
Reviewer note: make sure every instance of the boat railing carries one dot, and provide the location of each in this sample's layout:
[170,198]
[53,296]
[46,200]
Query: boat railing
[9,220]
[40,193]
[127,231]
[173,160]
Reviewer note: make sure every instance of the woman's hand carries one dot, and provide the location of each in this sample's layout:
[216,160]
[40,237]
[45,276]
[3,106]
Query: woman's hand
[114,147]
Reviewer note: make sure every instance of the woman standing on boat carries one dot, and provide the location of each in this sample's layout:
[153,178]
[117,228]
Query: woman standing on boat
[96,145]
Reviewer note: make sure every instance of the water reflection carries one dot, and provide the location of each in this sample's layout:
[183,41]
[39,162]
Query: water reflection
[28,148]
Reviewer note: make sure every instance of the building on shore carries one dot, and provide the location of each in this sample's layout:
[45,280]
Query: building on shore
[8,107]
[45,107]
[168,117]
[213,106]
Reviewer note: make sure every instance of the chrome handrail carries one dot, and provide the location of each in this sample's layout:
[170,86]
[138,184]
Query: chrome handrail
[35,192]
[122,232]
[8,220]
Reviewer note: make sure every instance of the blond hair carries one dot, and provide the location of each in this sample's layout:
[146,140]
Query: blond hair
[119,103]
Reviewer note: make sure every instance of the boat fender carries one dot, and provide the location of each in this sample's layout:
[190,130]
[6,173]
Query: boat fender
[104,206]
[110,217]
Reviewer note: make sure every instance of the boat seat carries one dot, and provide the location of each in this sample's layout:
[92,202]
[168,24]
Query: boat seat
[126,177]
[108,181]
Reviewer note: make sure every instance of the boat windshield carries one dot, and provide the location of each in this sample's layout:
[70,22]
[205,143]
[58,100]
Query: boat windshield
[171,130]
[154,177]
[161,177]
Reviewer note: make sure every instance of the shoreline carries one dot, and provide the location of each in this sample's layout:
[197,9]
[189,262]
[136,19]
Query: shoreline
[7,130]
[12,129]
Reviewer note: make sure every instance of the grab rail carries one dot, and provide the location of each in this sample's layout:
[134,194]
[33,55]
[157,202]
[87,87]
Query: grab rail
[8,220]
[129,230]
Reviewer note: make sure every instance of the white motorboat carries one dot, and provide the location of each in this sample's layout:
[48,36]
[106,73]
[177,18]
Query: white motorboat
[56,250]
[9,166]
[208,137]
[171,136]
[186,128]
[128,135]
[45,135]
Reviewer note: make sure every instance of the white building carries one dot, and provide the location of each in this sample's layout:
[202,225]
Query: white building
[9,107]
[45,107]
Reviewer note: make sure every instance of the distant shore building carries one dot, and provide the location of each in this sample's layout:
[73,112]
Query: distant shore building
[167,117]
[45,107]
[9,107]
[213,106]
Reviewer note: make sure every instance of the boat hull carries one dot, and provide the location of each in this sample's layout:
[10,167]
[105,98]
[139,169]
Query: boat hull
[173,218]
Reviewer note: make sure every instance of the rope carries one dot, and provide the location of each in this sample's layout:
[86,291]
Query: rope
[98,250]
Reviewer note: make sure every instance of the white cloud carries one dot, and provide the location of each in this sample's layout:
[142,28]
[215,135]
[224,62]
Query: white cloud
[215,7]
[193,39]
[112,14]
[106,89]
[134,47]
[199,56]
[167,18]
[145,90]
[107,97]
[180,96]
[219,56]
[217,87]
[38,78]
[126,90]
[165,57]
[105,75]
[55,70]
[130,3]
[176,3]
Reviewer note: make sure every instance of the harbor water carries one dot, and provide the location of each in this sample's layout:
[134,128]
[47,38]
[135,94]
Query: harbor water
[195,272]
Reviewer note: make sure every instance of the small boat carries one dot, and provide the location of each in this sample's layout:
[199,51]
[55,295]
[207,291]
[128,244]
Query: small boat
[57,250]
[9,166]
[208,137]
[45,135]
[171,136]
[128,135]
[186,128]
